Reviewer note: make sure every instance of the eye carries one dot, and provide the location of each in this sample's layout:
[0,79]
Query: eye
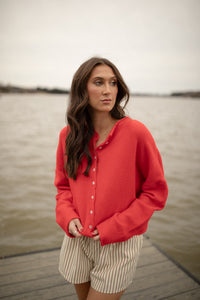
[113,83]
[98,82]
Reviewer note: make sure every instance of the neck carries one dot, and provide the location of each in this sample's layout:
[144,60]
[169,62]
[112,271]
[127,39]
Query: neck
[102,121]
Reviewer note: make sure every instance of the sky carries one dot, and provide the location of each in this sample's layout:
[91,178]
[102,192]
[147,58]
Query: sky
[154,43]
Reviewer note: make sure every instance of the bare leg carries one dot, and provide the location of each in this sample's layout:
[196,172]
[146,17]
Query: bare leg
[94,295]
[82,290]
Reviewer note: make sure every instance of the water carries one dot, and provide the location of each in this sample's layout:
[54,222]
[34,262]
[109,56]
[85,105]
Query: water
[29,128]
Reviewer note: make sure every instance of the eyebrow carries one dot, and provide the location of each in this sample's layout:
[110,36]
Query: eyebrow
[99,77]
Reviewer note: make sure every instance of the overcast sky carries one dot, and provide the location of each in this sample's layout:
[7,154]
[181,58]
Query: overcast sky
[154,43]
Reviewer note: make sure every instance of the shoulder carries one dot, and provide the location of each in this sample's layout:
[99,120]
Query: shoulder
[140,135]
[64,132]
[136,131]
[135,127]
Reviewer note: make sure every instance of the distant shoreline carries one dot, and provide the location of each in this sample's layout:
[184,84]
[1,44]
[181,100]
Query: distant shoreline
[11,89]
[8,89]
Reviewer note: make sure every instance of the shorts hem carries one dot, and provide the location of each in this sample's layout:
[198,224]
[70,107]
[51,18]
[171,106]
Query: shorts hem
[114,291]
[73,281]
[93,285]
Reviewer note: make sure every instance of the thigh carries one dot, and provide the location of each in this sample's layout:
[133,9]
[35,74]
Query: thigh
[93,294]
[82,290]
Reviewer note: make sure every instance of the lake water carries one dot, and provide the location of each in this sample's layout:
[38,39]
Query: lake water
[29,128]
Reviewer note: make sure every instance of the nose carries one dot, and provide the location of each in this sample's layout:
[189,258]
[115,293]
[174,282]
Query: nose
[106,89]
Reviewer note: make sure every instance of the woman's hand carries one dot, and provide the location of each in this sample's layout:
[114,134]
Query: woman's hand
[75,227]
[96,235]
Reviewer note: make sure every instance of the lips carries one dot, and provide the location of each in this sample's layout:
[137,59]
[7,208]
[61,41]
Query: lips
[106,100]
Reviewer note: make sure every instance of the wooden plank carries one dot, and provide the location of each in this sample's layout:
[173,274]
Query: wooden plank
[160,286]
[165,290]
[30,257]
[191,295]
[65,291]
[150,255]
[18,259]
[146,242]
[150,270]
[30,285]
[28,263]
[37,273]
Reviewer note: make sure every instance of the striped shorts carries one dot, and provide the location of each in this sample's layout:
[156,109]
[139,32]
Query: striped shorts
[110,268]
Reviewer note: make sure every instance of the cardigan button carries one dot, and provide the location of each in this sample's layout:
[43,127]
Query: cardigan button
[90,226]
[100,148]
[93,182]
[91,212]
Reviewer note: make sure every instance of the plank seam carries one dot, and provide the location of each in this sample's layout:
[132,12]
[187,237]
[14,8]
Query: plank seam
[181,293]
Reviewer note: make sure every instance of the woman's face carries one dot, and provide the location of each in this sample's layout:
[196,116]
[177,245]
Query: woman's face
[102,89]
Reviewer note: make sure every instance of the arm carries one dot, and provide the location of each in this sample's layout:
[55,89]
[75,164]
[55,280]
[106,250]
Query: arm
[65,211]
[153,195]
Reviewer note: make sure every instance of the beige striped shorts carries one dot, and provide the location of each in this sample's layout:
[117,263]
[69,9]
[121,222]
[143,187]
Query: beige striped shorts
[110,268]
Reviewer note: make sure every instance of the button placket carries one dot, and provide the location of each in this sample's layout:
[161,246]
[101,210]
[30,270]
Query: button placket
[93,182]
[93,193]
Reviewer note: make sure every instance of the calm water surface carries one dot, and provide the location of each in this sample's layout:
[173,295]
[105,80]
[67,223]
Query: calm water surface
[29,128]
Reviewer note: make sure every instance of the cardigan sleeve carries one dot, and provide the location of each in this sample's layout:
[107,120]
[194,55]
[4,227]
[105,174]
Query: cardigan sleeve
[65,211]
[153,195]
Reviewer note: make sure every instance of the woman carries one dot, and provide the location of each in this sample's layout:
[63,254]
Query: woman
[110,180]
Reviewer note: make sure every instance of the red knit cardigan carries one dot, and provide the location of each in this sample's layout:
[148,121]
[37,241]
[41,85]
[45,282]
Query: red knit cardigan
[126,184]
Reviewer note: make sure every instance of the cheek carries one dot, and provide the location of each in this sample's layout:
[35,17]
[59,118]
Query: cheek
[93,92]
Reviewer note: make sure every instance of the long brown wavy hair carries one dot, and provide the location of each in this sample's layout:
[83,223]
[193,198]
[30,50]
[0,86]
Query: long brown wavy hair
[81,128]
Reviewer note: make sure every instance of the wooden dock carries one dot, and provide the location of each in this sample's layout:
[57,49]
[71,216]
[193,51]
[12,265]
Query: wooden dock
[35,276]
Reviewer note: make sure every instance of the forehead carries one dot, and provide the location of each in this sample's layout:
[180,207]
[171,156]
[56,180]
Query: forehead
[103,71]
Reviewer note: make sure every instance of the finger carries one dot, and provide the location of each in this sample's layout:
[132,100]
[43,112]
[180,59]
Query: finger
[96,238]
[78,225]
[73,229]
[95,232]
[76,233]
